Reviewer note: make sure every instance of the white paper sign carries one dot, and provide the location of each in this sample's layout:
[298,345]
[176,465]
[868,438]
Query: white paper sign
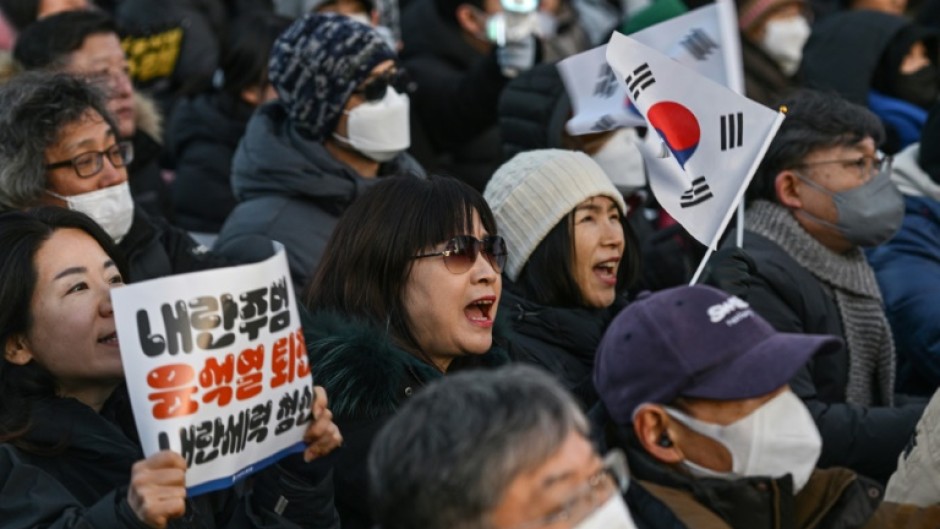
[216,368]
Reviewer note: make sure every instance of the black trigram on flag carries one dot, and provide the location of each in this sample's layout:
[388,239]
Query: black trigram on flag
[606,82]
[699,44]
[605,123]
[732,131]
[695,195]
[639,80]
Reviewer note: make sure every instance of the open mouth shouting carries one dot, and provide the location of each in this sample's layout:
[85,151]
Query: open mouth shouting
[606,271]
[481,311]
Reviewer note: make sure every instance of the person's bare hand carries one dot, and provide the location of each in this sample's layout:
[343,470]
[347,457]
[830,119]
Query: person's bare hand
[157,492]
[322,435]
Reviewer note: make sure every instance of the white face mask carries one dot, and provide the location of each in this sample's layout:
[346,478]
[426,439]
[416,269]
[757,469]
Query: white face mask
[621,160]
[112,208]
[778,438]
[613,514]
[379,130]
[783,41]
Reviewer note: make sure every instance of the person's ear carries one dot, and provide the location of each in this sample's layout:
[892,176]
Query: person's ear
[788,185]
[655,430]
[470,20]
[17,351]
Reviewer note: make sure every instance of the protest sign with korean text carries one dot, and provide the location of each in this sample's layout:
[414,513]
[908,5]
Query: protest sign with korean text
[216,368]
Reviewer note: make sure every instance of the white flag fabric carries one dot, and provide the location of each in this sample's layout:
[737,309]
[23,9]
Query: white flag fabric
[705,39]
[712,139]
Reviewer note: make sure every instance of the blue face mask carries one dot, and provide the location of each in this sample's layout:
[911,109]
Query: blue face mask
[869,214]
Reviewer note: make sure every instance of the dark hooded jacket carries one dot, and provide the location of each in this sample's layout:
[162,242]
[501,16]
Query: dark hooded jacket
[290,190]
[454,108]
[201,140]
[846,53]
[367,377]
[84,482]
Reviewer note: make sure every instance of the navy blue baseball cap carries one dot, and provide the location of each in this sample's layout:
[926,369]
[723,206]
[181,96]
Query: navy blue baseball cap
[696,342]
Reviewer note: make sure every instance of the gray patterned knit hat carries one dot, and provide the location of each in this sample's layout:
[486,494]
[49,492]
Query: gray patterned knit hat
[317,63]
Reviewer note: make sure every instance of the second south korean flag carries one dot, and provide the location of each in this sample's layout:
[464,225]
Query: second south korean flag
[711,139]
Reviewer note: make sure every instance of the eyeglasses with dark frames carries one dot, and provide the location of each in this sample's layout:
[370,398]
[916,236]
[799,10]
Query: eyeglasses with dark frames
[88,164]
[867,166]
[612,478]
[460,253]
[374,89]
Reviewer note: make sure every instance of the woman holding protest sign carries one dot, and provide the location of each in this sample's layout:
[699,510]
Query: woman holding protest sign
[69,455]
[408,291]
[571,258]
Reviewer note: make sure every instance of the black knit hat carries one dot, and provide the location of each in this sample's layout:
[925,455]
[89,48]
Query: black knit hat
[317,63]
[929,157]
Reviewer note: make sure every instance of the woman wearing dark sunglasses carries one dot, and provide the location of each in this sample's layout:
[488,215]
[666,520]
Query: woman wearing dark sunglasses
[571,259]
[408,290]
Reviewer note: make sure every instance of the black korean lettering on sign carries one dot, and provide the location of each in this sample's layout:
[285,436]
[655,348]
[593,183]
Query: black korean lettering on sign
[259,417]
[287,408]
[206,441]
[209,323]
[209,313]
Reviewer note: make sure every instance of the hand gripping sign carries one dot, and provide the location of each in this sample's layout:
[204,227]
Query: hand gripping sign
[216,368]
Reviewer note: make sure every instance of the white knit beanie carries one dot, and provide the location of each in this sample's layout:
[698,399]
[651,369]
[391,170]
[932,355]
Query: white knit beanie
[534,190]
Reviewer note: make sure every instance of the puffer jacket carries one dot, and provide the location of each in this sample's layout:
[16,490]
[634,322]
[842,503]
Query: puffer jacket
[290,190]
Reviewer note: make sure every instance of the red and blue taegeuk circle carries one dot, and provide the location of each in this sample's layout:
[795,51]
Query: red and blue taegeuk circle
[677,127]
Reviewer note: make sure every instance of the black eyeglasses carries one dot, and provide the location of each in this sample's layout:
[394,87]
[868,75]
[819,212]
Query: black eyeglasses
[88,164]
[374,89]
[460,253]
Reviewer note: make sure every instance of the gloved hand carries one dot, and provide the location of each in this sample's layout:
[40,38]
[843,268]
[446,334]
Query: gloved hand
[517,56]
[730,269]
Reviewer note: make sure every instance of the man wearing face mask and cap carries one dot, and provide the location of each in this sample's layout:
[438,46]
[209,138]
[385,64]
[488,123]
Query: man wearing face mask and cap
[772,36]
[821,194]
[340,122]
[694,383]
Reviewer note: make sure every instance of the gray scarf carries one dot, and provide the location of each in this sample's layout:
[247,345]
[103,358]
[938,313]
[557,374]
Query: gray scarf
[852,280]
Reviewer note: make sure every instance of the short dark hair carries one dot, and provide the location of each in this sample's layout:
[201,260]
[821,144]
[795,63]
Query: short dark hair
[22,234]
[34,108]
[447,9]
[815,120]
[548,276]
[48,43]
[248,47]
[367,261]
[20,13]
[446,458]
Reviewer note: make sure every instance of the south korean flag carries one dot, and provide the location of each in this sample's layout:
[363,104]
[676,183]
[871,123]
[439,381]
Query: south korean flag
[708,141]
[705,39]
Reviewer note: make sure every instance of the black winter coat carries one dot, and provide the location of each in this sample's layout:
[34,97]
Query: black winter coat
[791,299]
[201,139]
[454,108]
[367,378]
[154,248]
[145,177]
[85,484]
[291,190]
[562,340]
